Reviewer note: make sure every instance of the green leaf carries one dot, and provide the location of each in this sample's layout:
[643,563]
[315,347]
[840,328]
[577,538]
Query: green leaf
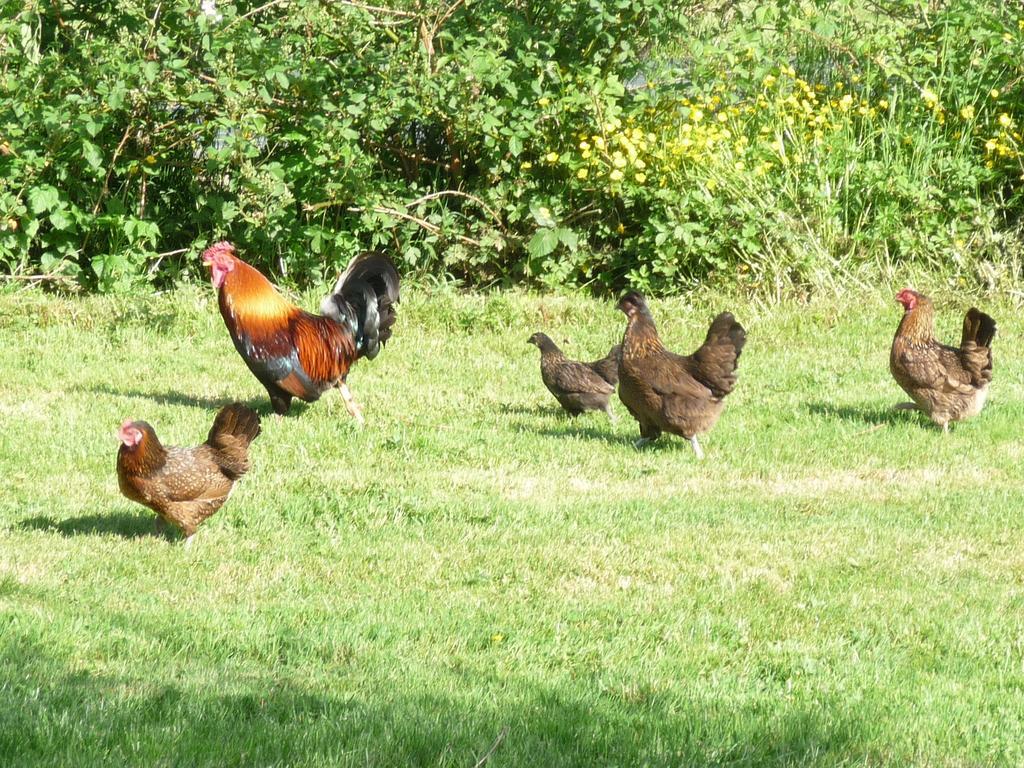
[92,154]
[43,198]
[61,219]
[568,238]
[543,242]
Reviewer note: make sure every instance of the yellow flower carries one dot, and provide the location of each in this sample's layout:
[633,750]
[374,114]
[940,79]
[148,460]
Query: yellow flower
[599,142]
[990,146]
[930,97]
[584,144]
[1004,120]
[845,102]
[618,160]
[615,175]
[721,117]
[150,159]
[621,228]
[967,113]
[526,166]
[640,178]
[543,101]
[696,115]
[585,154]
[994,93]
[551,157]
[582,173]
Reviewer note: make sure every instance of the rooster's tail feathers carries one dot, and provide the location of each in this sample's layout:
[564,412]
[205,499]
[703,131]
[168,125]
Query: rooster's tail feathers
[979,328]
[364,300]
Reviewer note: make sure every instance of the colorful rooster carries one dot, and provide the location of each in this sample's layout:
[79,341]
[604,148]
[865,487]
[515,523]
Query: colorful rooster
[292,352]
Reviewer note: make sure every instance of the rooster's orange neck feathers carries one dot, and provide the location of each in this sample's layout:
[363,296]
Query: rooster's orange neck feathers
[259,298]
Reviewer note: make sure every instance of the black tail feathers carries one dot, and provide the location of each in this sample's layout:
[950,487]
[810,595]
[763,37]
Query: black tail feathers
[364,299]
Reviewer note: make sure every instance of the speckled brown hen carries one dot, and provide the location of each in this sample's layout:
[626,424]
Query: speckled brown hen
[577,386]
[184,486]
[666,392]
[947,383]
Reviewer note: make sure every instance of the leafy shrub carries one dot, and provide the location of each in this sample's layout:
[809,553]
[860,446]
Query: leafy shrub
[598,143]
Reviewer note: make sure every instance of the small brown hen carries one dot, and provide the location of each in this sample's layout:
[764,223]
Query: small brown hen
[184,486]
[577,386]
[673,393]
[947,383]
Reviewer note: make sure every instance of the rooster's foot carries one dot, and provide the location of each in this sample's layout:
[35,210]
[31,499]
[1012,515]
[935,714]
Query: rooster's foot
[350,404]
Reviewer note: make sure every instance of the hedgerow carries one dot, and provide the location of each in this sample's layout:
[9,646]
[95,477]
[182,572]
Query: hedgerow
[595,143]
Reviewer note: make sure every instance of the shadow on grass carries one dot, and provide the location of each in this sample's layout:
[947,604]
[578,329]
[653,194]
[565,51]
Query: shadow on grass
[127,526]
[531,410]
[260,405]
[872,415]
[272,719]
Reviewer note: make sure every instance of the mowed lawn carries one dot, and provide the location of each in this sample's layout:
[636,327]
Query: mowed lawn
[475,578]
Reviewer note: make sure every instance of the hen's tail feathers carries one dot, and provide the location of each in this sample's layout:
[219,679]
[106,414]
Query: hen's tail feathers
[235,427]
[608,367]
[364,299]
[715,362]
[975,346]
[979,328]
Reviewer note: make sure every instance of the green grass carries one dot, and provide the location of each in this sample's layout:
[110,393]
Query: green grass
[836,584]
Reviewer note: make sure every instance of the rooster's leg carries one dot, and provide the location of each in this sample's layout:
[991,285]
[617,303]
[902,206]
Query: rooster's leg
[610,412]
[696,447]
[350,403]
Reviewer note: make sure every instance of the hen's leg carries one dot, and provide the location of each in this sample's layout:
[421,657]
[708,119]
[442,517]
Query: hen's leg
[350,403]
[696,447]
[610,412]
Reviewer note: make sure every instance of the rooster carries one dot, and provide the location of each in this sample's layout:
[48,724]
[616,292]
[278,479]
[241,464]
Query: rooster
[292,352]
[184,486]
[578,387]
[947,383]
[669,392]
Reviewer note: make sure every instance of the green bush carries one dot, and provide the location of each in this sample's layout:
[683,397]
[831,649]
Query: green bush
[598,143]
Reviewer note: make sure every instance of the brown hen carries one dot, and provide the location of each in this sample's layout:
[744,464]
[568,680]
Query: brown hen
[673,393]
[184,486]
[577,386]
[947,383]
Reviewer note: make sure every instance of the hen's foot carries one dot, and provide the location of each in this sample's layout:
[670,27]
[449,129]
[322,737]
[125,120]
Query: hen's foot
[696,447]
[905,407]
